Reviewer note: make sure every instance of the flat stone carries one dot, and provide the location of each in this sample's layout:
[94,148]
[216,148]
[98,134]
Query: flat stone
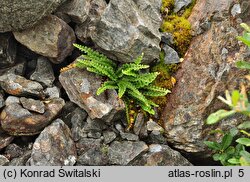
[81,87]
[33,105]
[3,160]
[11,100]
[179,4]
[52,38]
[85,144]
[20,86]
[13,151]
[236,9]
[17,120]
[94,134]
[138,123]
[161,155]
[127,28]
[121,153]
[108,136]
[54,146]
[129,136]
[153,126]
[7,49]
[43,73]
[17,69]
[94,125]
[19,15]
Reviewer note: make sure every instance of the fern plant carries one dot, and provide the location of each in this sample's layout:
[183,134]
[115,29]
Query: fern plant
[127,80]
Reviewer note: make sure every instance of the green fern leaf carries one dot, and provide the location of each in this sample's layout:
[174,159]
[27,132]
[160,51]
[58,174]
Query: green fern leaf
[156,91]
[139,59]
[106,85]
[122,88]
[147,108]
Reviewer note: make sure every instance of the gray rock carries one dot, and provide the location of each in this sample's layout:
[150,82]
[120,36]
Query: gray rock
[153,126]
[167,38]
[54,146]
[5,139]
[77,10]
[94,157]
[22,14]
[108,136]
[17,120]
[156,137]
[22,160]
[81,87]
[7,49]
[94,11]
[33,105]
[20,86]
[52,92]
[170,55]
[179,4]
[13,151]
[236,9]
[161,155]
[121,153]
[2,103]
[94,125]
[11,100]
[138,123]
[3,160]
[44,73]
[85,144]
[17,69]
[129,136]
[94,134]
[52,38]
[78,118]
[125,30]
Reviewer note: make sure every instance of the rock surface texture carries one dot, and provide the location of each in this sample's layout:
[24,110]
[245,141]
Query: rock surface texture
[52,38]
[125,30]
[22,14]
[207,71]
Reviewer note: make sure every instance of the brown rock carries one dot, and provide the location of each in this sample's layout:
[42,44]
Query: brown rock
[207,71]
[5,139]
[52,38]
[19,121]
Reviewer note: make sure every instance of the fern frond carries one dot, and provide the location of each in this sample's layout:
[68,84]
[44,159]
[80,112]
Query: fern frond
[122,88]
[106,85]
[139,59]
[95,54]
[146,108]
[146,77]
[129,69]
[155,91]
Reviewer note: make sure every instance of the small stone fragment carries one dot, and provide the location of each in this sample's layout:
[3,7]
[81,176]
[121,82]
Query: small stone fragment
[179,4]
[33,105]
[13,151]
[108,136]
[11,100]
[3,160]
[171,56]
[52,92]
[5,139]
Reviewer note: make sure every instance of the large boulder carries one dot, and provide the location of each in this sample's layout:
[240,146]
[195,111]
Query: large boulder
[207,71]
[127,28]
[22,14]
[52,38]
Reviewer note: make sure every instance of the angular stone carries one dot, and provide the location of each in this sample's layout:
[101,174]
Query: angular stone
[17,69]
[11,100]
[81,87]
[161,155]
[236,9]
[3,160]
[153,126]
[179,4]
[52,92]
[22,160]
[33,105]
[5,139]
[52,38]
[125,30]
[77,121]
[129,136]
[13,151]
[171,56]
[121,153]
[94,125]
[204,75]
[19,15]
[19,121]
[20,86]
[138,123]
[7,49]
[44,73]
[85,144]
[108,136]
[94,134]
[54,146]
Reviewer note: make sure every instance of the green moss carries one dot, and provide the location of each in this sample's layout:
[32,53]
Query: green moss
[169,4]
[179,26]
